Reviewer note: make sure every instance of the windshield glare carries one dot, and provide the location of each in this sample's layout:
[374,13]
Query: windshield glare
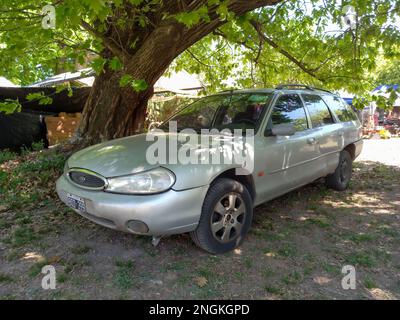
[225,111]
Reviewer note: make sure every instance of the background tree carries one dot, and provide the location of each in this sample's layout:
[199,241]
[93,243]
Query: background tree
[253,42]
[389,73]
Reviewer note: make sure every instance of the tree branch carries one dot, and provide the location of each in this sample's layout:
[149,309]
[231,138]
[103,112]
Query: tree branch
[111,45]
[258,27]
[198,60]
[218,32]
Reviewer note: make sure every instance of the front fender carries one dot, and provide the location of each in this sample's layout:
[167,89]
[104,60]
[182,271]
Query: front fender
[193,176]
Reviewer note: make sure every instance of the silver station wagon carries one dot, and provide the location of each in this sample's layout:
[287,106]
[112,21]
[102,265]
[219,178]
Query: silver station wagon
[298,135]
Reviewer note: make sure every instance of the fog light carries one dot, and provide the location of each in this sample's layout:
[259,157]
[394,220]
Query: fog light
[137,226]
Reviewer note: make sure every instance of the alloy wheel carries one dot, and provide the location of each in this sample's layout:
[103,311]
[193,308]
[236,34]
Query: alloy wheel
[228,217]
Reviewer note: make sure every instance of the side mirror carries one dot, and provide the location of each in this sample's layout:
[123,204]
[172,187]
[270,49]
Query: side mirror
[284,129]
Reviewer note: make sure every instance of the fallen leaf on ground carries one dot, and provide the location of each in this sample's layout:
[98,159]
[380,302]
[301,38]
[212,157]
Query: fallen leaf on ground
[54,259]
[200,281]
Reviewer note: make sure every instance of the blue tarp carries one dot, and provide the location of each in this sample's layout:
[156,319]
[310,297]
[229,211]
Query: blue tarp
[383,86]
[348,100]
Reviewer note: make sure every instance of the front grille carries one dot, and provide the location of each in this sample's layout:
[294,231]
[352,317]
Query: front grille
[86,179]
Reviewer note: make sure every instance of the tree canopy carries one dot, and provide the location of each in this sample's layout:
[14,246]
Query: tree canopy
[294,40]
[231,43]
[301,42]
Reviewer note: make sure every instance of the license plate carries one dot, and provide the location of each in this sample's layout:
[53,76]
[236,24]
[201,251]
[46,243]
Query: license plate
[76,202]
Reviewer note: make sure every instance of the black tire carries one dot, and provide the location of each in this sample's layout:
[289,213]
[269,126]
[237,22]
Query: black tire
[234,224]
[339,180]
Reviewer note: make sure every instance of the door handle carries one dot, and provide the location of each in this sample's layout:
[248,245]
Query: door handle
[311,141]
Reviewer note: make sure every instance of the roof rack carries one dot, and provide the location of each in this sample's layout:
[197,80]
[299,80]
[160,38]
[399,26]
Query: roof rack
[320,89]
[296,85]
[228,90]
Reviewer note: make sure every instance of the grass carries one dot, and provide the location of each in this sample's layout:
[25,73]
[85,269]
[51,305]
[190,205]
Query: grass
[4,224]
[5,278]
[30,180]
[36,268]
[207,293]
[80,249]
[61,278]
[183,279]
[12,255]
[274,236]
[248,262]
[22,236]
[7,155]
[330,268]
[206,272]
[388,231]
[239,275]
[124,277]
[362,237]
[75,264]
[363,259]
[292,278]
[268,272]
[273,290]
[287,250]
[321,222]
[369,283]
[369,258]
[177,266]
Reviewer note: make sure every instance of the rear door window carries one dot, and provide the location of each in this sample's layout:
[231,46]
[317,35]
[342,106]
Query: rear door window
[289,109]
[339,107]
[318,110]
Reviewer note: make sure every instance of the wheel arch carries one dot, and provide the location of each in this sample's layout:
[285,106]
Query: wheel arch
[351,148]
[246,180]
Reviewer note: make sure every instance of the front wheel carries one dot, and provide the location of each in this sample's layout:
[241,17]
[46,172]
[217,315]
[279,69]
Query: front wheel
[339,180]
[226,217]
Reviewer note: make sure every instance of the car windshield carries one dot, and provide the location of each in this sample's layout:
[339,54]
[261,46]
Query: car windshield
[223,111]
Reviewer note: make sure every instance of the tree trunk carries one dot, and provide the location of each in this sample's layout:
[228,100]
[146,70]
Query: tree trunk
[111,111]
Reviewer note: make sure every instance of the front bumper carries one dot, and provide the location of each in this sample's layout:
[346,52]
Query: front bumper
[170,212]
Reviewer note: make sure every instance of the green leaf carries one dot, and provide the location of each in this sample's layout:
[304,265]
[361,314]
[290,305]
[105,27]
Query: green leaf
[192,18]
[9,106]
[115,64]
[40,97]
[98,64]
[223,11]
[70,92]
[96,5]
[139,85]
[125,80]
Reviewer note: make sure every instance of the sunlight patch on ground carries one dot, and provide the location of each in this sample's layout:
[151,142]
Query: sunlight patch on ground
[33,256]
[381,294]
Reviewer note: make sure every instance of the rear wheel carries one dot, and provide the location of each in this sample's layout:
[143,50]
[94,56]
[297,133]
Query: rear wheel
[339,180]
[226,217]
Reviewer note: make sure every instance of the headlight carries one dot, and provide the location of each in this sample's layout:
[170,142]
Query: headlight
[152,181]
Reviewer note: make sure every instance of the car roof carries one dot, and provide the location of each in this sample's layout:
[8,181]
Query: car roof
[283,90]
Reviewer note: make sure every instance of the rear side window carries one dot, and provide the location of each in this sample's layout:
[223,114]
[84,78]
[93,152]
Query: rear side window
[318,110]
[339,107]
[289,109]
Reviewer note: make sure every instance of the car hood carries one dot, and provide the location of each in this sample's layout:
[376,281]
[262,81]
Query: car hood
[128,155]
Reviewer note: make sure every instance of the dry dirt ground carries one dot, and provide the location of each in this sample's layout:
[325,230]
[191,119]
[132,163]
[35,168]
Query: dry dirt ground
[296,248]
